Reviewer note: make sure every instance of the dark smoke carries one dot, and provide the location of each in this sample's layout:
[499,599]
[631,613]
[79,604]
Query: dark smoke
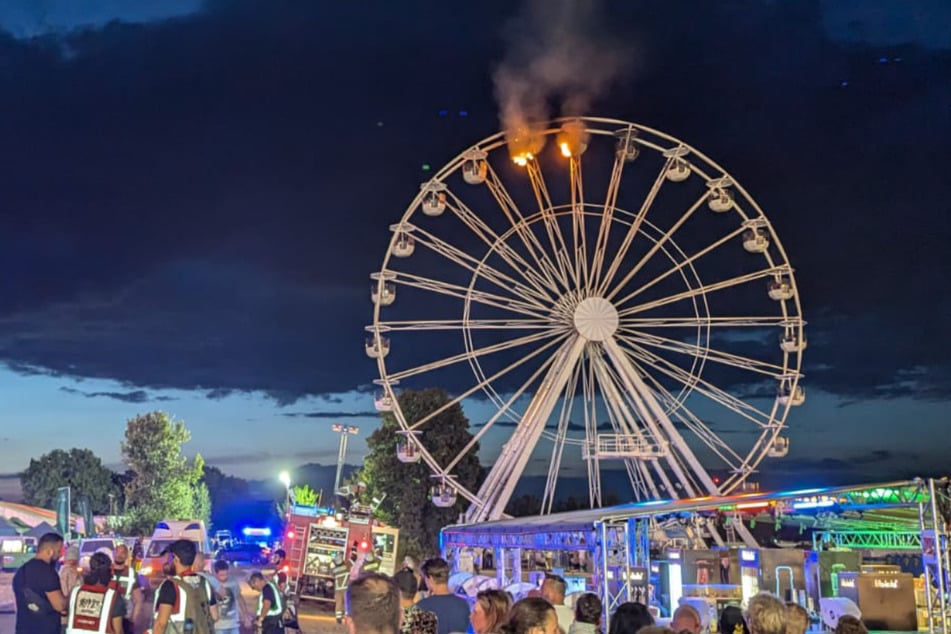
[560,55]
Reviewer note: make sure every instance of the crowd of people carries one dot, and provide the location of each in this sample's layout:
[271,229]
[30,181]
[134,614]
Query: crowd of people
[107,597]
[377,604]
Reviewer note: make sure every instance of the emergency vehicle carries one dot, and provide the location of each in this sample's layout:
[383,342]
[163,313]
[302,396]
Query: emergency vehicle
[316,537]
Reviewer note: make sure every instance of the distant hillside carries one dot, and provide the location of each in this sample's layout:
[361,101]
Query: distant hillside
[10,489]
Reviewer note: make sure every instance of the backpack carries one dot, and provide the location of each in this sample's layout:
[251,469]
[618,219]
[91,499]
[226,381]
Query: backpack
[196,606]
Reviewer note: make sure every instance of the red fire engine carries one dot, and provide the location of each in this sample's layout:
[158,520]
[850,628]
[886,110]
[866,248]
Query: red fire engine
[315,538]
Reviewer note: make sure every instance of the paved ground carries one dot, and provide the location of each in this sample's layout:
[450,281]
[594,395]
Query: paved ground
[314,618]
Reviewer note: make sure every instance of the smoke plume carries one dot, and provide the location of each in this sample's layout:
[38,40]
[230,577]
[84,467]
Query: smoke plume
[560,56]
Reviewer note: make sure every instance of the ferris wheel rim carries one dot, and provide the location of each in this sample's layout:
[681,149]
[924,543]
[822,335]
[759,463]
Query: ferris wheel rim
[793,317]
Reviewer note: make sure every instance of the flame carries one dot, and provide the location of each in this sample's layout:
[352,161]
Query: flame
[565,149]
[522,159]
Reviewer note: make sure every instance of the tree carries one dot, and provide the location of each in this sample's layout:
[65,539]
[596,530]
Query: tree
[228,495]
[164,484]
[79,469]
[407,503]
[305,495]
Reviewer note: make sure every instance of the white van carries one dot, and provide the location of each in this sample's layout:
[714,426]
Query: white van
[167,532]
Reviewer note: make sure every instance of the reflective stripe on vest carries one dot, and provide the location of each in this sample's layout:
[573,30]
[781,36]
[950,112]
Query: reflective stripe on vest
[181,599]
[341,576]
[278,608]
[126,581]
[90,608]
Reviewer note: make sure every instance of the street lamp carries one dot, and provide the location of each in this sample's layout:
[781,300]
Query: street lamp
[345,432]
[285,479]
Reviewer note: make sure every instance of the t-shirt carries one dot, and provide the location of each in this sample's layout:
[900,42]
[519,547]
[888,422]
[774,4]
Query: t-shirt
[227,595]
[452,612]
[167,592]
[35,614]
[566,616]
[267,594]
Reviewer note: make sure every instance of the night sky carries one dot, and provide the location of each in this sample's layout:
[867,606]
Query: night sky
[193,194]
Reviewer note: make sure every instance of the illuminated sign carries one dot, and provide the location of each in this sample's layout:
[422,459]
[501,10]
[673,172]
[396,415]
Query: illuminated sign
[257,532]
[887,584]
[748,555]
[846,583]
[674,554]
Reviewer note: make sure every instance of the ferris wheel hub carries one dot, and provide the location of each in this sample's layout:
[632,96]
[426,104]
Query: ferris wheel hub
[596,319]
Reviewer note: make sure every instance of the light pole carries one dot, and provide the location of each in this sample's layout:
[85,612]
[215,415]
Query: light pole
[285,479]
[345,431]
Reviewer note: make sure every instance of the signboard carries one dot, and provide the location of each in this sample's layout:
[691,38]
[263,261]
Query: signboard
[62,511]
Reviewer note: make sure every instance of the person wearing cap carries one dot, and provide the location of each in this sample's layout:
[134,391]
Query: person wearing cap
[172,597]
[129,586]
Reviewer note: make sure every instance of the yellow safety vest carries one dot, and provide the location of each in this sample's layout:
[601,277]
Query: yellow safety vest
[278,608]
[90,608]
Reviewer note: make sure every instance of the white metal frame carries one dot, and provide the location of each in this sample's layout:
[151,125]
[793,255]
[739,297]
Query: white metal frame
[565,293]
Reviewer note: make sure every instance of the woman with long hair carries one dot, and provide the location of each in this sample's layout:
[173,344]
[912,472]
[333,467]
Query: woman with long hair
[490,612]
[532,615]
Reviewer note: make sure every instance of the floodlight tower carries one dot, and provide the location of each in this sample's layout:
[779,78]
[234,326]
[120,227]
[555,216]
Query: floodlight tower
[345,432]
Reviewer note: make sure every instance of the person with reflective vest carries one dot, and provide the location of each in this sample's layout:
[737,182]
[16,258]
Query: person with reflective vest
[128,583]
[270,614]
[280,570]
[184,594]
[341,579]
[96,605]
[370,564]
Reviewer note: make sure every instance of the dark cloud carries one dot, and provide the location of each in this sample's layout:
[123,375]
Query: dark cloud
[331,415]
[135,396]
[197,203]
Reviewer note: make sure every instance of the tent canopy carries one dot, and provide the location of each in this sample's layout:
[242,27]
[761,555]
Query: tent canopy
[41,529]
[7,529]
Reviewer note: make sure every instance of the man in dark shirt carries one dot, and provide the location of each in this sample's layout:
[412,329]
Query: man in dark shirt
[269,615]
[452,612]
[39,599]
[183,558]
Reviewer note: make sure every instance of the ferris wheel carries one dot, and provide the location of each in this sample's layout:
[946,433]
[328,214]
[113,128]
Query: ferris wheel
[609,304]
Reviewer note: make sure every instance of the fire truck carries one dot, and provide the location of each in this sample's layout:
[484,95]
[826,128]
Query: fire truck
[314,537]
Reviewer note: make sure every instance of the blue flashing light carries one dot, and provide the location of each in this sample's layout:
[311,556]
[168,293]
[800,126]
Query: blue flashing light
[443,113]
[844,84]
[882,60]
[463,113]
[249,531]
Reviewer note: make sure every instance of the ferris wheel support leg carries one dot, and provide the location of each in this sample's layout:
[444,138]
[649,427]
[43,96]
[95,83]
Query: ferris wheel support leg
[495,492]
[640,392]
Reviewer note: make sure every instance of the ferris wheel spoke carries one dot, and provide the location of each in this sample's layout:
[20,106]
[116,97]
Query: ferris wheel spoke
[530,241]
[480,268]
[527,307]
[499,484]
[675,269]
[706,353]
[483,383]
[503,409]
[772,321]
[466,324]
[580,241]
[558,446]
[700,386]
[703,290]
[534,274]
[632,230]
[559,247]
[465,356]
[657,246]
[693,422]
[607,214]
[625,421]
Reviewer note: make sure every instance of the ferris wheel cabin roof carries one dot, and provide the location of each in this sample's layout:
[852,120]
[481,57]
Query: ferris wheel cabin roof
[889,504]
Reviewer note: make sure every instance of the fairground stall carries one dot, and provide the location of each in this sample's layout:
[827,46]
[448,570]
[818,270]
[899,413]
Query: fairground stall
[879,548]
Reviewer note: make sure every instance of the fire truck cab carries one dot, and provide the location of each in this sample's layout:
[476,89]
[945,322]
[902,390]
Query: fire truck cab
[315,537]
